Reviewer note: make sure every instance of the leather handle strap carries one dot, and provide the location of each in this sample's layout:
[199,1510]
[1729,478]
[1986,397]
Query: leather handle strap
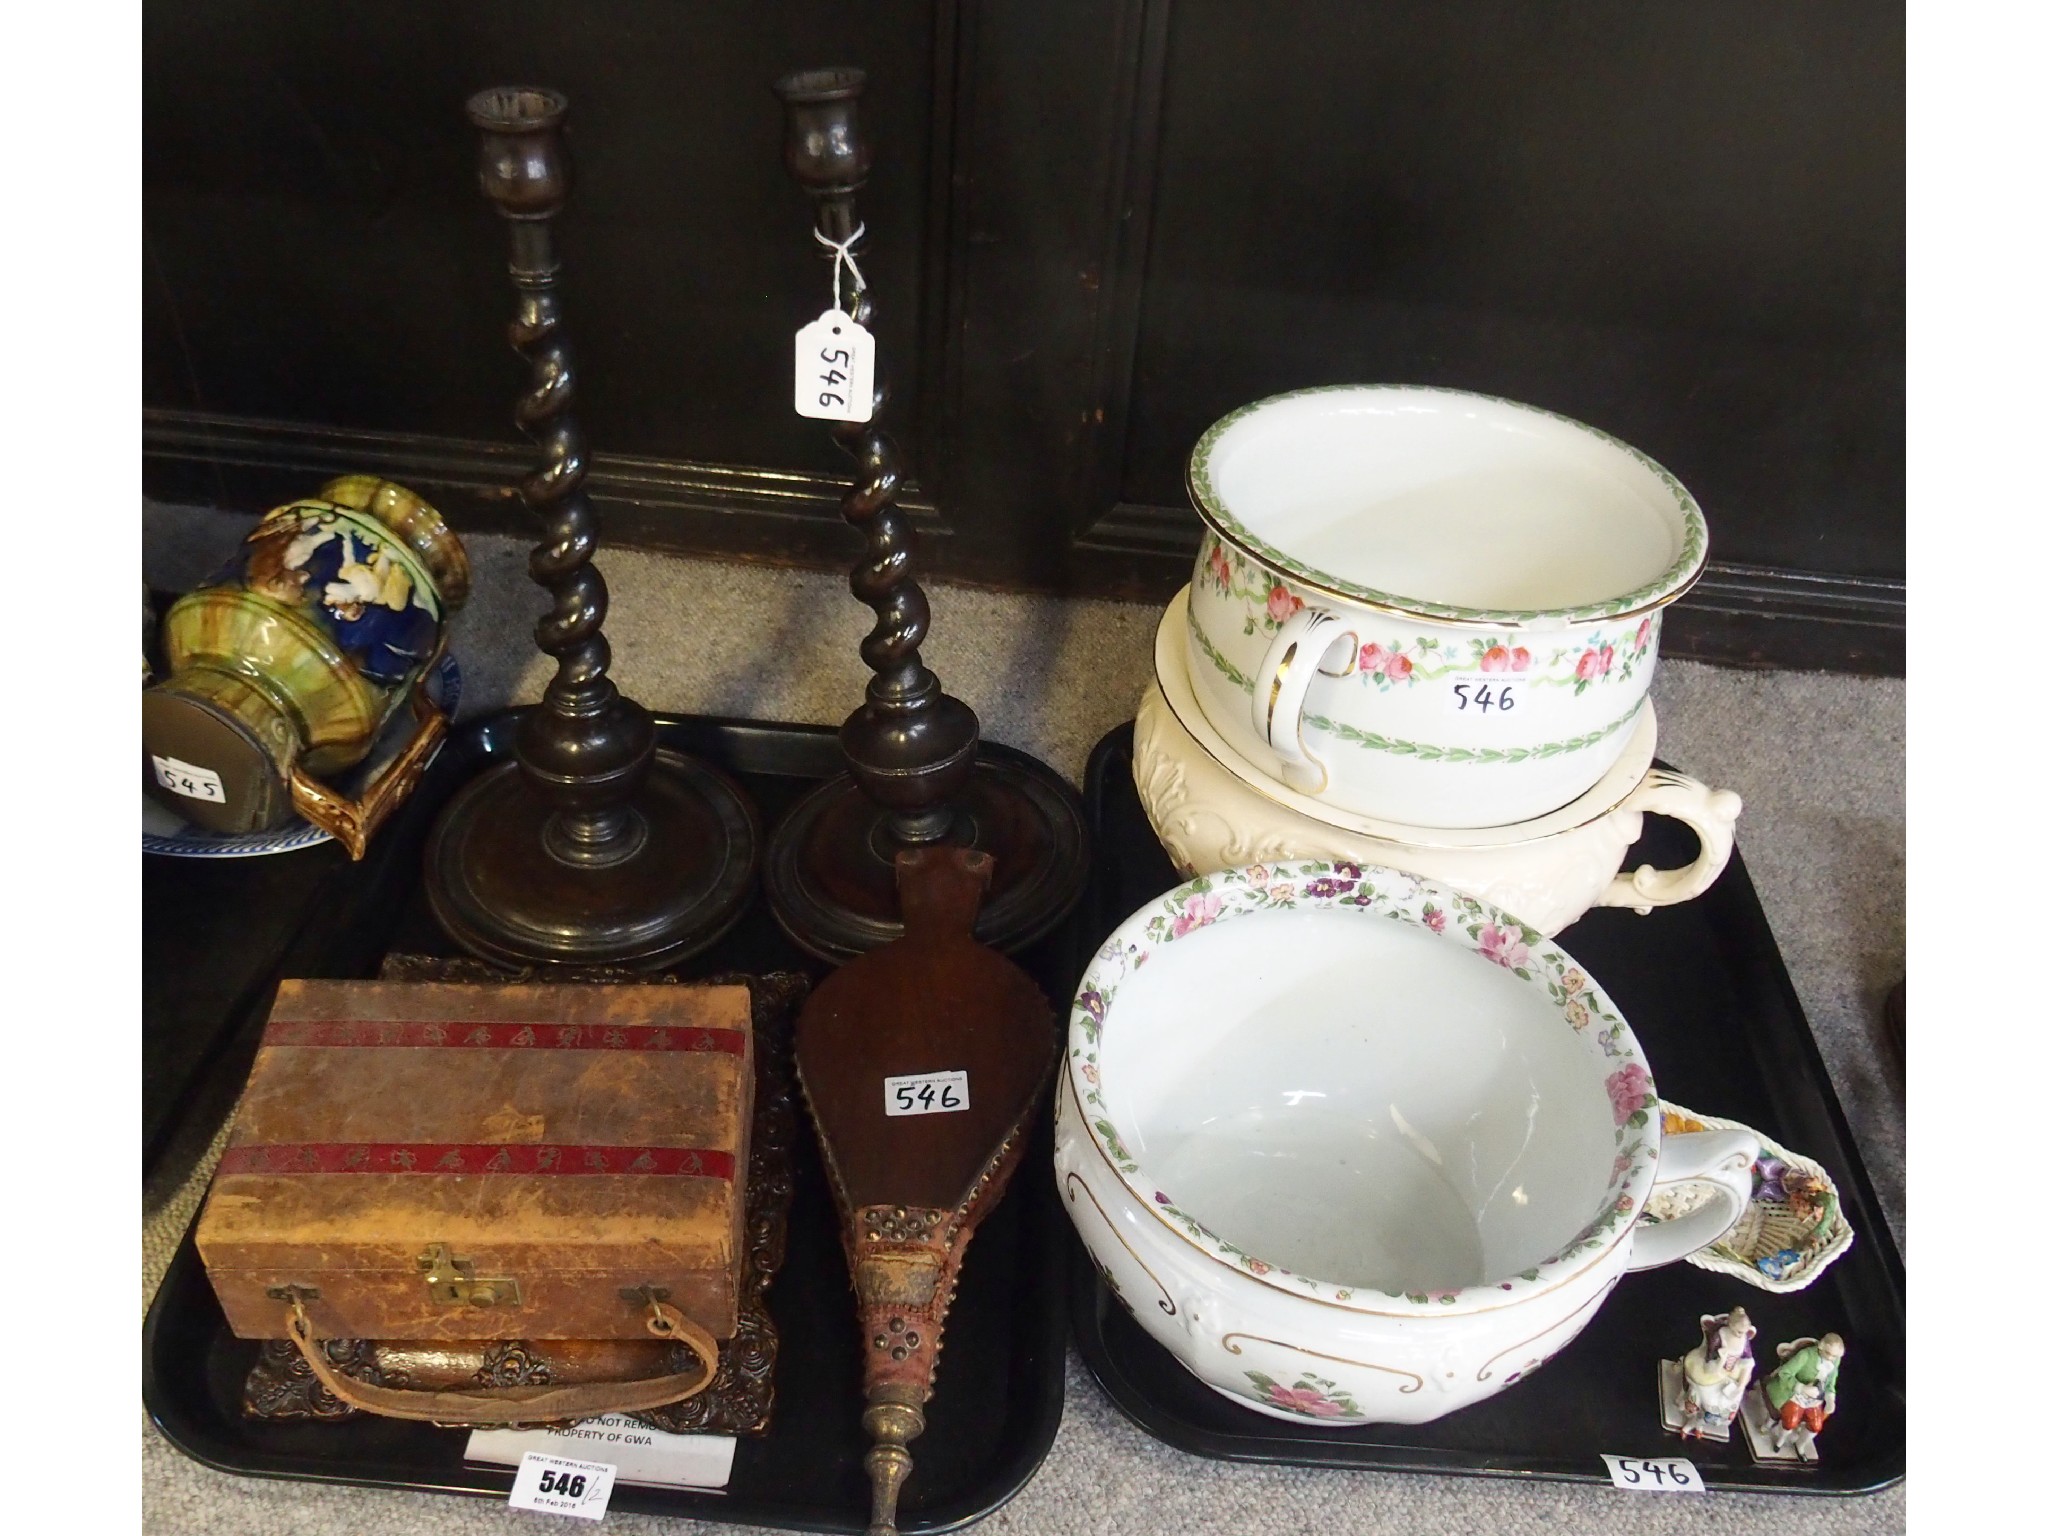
[517,1405]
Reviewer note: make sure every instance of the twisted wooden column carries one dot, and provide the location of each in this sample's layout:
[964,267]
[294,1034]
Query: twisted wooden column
[594,845]
[587,747]
[916,766]
[911,746]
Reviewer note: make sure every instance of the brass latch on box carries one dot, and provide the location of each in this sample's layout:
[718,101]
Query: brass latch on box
[454,1280]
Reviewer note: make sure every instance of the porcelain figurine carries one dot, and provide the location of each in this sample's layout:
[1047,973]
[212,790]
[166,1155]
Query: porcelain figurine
[1430,605]
[1703,1389]
[1783,1415]
[281,669]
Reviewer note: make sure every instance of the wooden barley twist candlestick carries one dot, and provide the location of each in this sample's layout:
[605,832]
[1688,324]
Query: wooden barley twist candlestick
[911,745]
[594,845]
[587,743]
[916,774]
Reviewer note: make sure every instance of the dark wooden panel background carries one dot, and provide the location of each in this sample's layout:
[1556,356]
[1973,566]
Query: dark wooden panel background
[1096,228]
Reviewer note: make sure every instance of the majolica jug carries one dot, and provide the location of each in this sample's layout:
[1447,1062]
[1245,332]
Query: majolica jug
[284,667]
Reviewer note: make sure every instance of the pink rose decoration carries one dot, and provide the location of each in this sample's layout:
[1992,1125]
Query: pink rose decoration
[1371,658]
[1606,658]
[1588,667]
[1521,659]
[1495,659]
[1258,1266]
[1281,604]
[1642,634]
[1399,666]
[1505,950]
[1218,565]
[1628,1089]
[1200,912]
[1303,1400]
[1433,919]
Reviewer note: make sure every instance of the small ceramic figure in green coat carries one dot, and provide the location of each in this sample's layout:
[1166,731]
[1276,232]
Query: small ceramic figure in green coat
[1801,1391]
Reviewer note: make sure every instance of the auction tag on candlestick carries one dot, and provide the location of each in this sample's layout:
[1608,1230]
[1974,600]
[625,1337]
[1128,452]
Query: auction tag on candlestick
[924,1093]
[1654,1474]
[554,1485]
[1482,695]
[188,779]
[835,369]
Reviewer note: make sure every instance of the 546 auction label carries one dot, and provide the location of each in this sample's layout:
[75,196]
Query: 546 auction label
[1654,1474]
[554,1485]
[924,1093]
[1481,695]
[835,369]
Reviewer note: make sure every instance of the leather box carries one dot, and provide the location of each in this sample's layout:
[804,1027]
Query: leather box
[423,1161]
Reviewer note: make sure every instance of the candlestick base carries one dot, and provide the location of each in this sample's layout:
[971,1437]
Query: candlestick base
[500,891]
[830,871]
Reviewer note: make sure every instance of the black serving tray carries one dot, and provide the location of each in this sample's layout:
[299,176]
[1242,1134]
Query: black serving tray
[217,933]
[1001,1387]
[1705,990]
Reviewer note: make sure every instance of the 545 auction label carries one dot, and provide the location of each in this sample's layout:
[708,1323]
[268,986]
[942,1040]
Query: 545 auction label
[188,779]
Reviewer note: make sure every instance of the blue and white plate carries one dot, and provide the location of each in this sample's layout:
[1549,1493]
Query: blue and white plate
[164,831]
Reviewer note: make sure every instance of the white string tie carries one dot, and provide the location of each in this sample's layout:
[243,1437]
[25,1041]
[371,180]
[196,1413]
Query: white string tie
[842,259]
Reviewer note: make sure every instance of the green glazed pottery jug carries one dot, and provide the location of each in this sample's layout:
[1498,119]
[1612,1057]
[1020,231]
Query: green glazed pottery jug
[283,668]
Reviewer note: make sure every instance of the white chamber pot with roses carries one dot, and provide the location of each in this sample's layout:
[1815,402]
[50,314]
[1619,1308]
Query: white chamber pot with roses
[1357,1148]
[1429,606]
[1211,810]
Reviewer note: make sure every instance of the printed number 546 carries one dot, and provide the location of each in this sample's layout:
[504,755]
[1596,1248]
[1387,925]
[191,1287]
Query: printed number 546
[835,359]
[926,1096]
[1485,696]
[1653,1474]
